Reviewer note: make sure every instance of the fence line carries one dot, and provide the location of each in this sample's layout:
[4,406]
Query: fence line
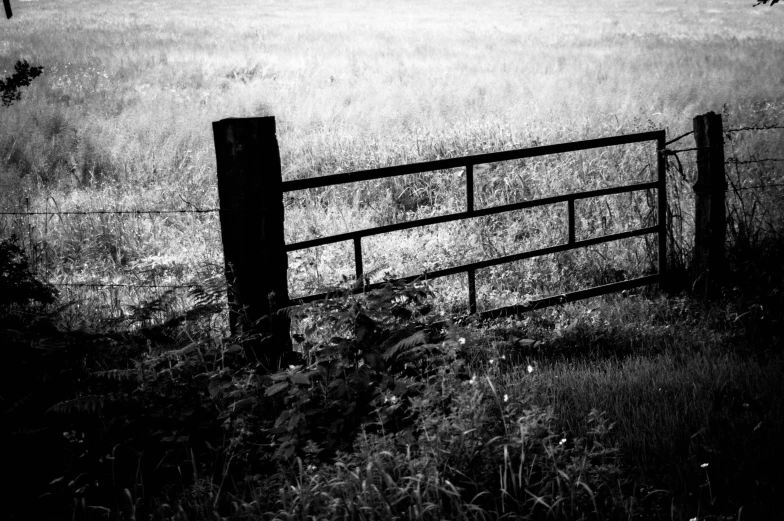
[299,184]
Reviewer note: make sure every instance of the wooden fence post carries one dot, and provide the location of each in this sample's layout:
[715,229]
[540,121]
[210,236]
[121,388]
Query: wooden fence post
[709,262]
[251,216]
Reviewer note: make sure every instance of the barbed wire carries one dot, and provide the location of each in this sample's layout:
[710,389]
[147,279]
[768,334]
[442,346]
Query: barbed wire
[738,188]
[755,127]
[116,212]
[731,160]
[735,161]
[728,131]
[113,285]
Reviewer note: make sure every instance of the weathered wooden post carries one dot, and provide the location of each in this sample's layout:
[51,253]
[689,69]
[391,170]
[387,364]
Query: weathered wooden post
[251,215]
[709,260]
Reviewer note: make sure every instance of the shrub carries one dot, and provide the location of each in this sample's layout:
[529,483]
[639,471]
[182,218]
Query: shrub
[22,77]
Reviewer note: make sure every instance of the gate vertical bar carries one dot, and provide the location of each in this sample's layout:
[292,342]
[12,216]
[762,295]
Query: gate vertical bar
[469,169]
[570,209]
[662,208]
[251,216]
[469,187]
[472,292]
[358,257]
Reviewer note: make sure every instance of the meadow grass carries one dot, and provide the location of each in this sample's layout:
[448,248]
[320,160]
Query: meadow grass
[121,117]
[121,120]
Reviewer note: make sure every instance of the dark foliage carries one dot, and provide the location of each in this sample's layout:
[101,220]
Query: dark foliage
[18,284]
[119,421]
[22,77]
[379,355]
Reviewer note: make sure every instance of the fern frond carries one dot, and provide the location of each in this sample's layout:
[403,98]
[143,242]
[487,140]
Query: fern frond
[146,310]
[212,291]
[183,350]
[21,402]
[407,342]
[30,432]
[116,374]
[90,404]
[417,353]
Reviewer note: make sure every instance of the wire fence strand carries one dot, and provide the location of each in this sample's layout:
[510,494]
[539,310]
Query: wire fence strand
[755,127]
[114,285]
[115,212]
[670,142]
[677,151]
[734,189]
[736,161]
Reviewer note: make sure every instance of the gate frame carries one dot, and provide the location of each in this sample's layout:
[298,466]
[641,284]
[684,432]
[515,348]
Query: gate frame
[468,162]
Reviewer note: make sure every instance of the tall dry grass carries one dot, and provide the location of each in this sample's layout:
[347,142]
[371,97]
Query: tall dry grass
[121,118]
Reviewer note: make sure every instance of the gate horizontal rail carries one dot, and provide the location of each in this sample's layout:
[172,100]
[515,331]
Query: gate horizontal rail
[464,161]
[493,262]
[369,232]
[468,162]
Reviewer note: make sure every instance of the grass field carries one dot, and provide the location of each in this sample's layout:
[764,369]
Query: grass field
[518,425]
[122,115]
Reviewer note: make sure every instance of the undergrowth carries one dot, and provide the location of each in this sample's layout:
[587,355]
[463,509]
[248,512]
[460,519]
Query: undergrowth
[635,407]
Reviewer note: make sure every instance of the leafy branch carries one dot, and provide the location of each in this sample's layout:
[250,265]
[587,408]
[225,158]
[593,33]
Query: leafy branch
[22,77]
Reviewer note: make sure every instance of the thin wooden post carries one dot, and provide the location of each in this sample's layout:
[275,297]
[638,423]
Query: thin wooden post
[251,215]
[709,262]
